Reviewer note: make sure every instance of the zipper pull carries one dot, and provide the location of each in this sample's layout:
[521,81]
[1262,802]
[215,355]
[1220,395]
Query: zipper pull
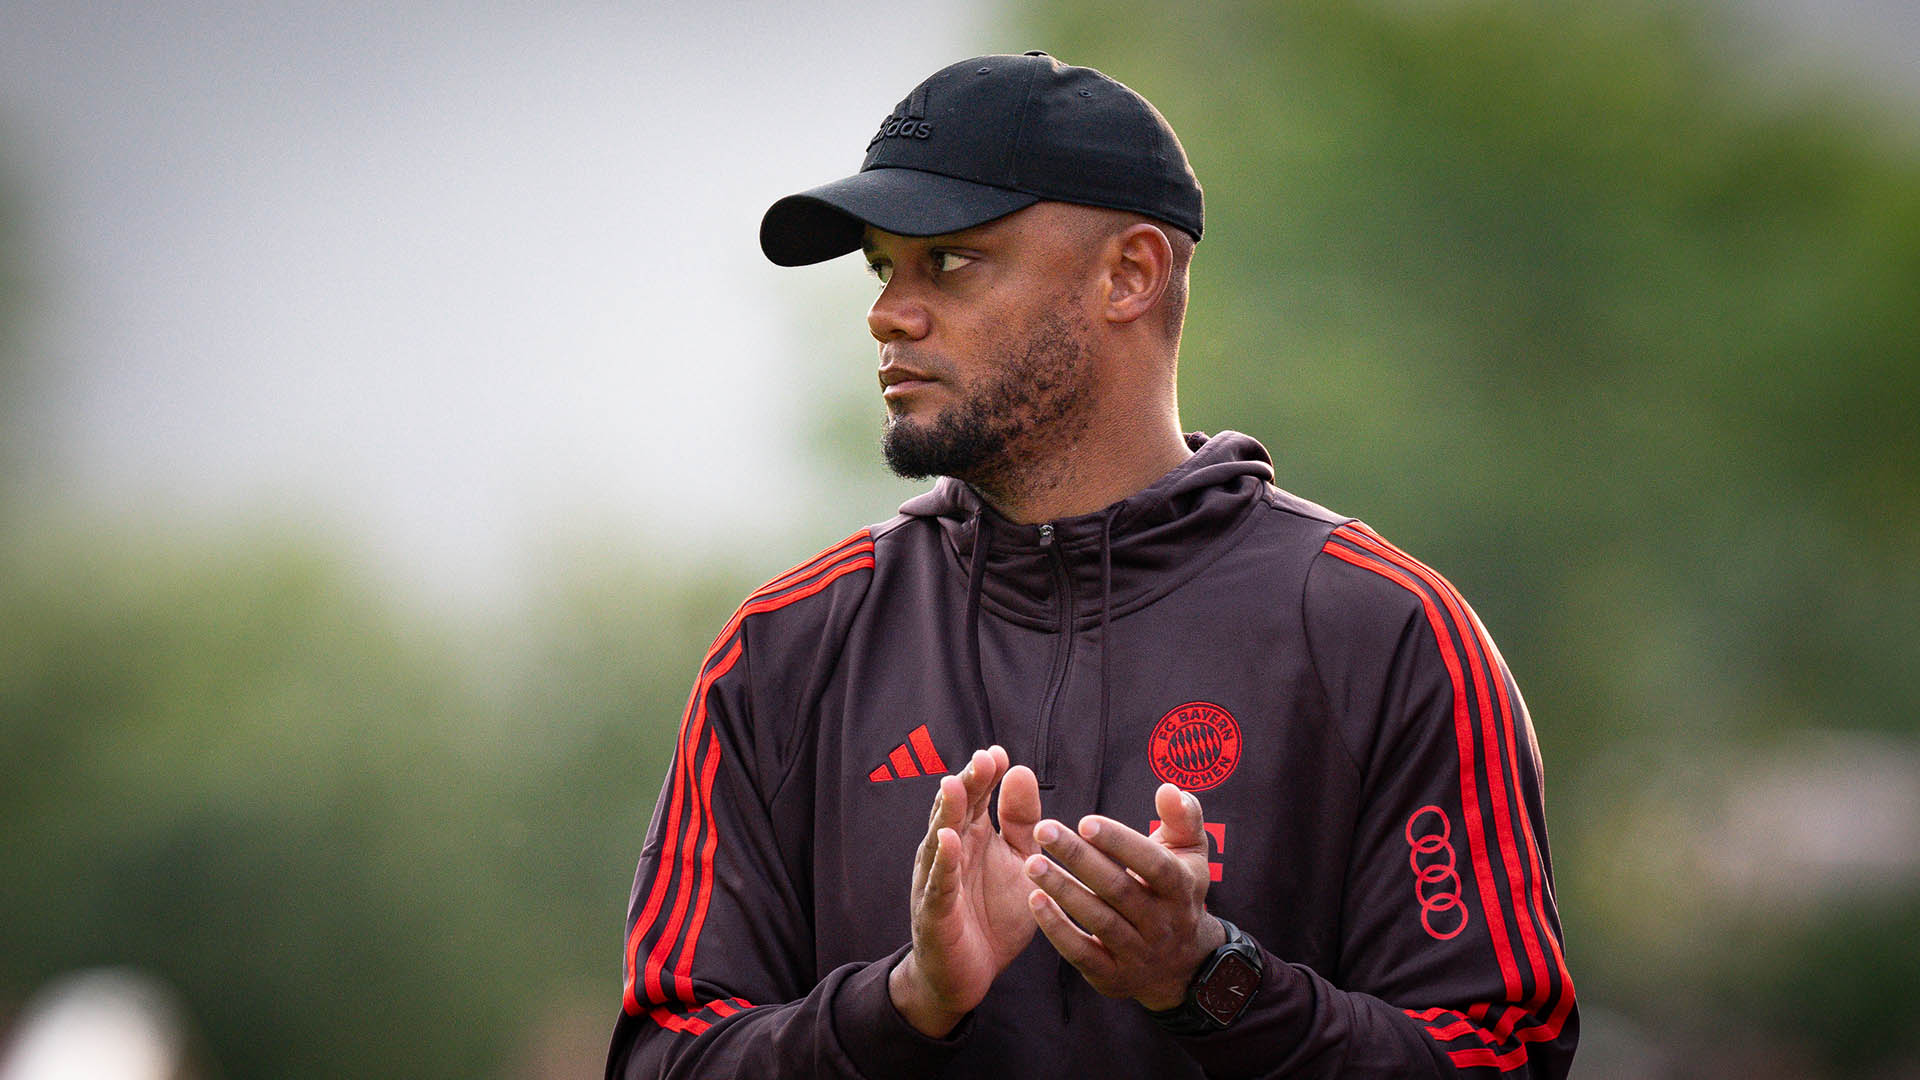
[1046,536]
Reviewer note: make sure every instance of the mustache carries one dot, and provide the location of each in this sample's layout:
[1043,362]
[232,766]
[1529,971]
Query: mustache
[899,364]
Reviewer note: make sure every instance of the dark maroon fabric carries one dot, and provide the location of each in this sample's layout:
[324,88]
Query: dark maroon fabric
[1368,763]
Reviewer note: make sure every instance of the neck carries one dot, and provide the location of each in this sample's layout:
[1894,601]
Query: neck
[1084,475]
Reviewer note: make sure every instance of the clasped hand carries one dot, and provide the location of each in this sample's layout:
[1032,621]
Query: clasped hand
[1128,910]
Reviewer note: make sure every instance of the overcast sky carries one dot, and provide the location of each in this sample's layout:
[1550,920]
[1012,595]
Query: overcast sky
[446,277]
[443,274]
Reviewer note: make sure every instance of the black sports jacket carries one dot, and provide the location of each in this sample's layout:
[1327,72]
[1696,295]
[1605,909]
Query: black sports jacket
[1364,761]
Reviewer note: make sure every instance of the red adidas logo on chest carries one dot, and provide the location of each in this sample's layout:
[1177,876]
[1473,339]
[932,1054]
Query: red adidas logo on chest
[915,757]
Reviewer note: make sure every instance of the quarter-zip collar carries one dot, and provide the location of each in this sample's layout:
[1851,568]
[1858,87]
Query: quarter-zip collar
[1115,560]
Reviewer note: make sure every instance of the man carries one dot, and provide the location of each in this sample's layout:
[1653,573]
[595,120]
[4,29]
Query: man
[1243,790]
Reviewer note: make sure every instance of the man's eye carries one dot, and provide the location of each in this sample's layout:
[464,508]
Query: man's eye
[880,270]
[944,261]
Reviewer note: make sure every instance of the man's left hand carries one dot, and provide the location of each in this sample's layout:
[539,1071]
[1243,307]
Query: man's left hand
[1139,901]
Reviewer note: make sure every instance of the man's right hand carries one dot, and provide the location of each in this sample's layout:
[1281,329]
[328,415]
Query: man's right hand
[969,900]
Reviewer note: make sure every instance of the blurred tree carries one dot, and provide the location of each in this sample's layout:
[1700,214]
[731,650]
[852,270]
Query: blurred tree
[1556,297]
[225,767]
[358,845]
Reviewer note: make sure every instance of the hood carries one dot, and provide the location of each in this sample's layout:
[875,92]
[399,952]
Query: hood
[1155,539]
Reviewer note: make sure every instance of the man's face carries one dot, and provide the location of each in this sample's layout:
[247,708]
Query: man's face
[983,361]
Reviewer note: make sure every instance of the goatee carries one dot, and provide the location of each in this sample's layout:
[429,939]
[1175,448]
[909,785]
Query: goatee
[1039,395]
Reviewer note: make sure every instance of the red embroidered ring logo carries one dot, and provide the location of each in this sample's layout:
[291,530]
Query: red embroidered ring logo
[1436,883]
[1194,746]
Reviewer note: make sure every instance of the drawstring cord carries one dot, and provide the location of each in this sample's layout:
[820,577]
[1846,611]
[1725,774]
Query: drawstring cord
[976,576]
[1106,628]
[1065,973]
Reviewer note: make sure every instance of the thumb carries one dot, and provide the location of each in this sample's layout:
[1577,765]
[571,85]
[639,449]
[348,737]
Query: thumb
[1181,824]
[1020,809]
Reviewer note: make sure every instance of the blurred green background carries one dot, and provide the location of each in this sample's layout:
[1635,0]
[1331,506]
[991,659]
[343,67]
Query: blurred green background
[1569,300]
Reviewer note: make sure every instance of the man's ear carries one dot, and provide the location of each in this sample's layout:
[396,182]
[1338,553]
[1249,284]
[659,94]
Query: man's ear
[1139,266]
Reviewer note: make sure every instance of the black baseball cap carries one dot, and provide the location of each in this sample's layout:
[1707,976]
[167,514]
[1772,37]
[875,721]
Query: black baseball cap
[985,137]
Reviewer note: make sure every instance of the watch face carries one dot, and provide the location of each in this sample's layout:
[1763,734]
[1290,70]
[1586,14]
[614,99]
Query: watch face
[1227,989]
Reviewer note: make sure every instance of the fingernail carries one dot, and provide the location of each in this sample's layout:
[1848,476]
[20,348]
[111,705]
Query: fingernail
[1046,832]
[1089,827]
[1036,866]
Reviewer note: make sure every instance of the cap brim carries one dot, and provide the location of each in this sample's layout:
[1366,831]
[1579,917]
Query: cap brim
[825,222]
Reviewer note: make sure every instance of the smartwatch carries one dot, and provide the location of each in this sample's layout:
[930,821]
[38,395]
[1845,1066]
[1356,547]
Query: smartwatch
[1220,990]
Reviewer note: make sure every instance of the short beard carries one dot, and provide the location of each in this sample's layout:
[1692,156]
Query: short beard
[1035,401]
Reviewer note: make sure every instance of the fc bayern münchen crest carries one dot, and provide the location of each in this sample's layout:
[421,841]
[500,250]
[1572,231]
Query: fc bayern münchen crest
[1195,746]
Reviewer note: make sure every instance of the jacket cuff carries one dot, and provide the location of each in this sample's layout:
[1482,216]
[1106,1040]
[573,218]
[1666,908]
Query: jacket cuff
[1272,1028]
[879,1041]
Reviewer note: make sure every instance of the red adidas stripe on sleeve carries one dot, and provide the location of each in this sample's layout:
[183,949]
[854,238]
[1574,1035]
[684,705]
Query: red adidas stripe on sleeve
[1487,750]
[663,987]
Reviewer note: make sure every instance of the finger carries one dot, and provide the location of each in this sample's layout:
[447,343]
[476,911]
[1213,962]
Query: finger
[1114,861]
[1160,870]
[1076,946]
[943,878]
[977,778]
[1020,809]
[953,802]
[1093,914]
[949,808]
[1000,758]
[1163,869]
[1181,824]
[929,844]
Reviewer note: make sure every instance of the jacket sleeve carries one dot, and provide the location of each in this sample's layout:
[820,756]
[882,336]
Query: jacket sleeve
[1450,960]
[718,963]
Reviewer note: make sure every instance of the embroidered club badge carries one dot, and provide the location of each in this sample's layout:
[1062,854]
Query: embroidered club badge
[1195,746]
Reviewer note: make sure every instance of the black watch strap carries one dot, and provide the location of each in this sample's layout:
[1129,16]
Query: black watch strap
[1220,990]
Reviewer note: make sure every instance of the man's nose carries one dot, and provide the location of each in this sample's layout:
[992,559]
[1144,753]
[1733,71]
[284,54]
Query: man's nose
[897,313]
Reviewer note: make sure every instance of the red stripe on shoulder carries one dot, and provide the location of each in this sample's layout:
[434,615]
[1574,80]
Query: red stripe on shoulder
[853,553]
[862,539]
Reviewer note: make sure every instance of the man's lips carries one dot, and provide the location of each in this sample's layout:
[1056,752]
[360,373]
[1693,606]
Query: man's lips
[897,381]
